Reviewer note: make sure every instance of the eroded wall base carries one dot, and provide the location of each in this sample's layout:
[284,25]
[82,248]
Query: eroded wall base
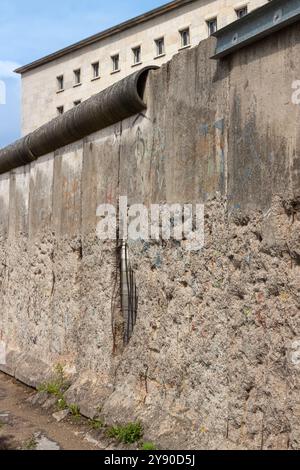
[212,362]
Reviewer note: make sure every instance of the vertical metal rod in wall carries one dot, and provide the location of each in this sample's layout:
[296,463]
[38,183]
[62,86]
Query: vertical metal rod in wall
[128,294]
[124,285]
[135,303]
[131,302]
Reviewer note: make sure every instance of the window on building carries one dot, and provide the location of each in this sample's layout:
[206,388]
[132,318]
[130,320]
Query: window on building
[77,77]
[137,55]
[60,110]
[185,37]
[115,63]
[212,26]
[160,46]
[60,82]
[96,69]
[77,102]
[240,12]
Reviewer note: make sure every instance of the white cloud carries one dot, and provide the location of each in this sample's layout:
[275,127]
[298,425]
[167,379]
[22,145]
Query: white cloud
[7,69]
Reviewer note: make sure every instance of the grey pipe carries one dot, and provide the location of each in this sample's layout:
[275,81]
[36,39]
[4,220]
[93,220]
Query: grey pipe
[118,102]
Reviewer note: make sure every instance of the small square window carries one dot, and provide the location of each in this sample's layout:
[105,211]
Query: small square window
[137,55]
[185,37]
[115,62]
[96,69]
[77,102]
[160,46]
[60,110]
[240,12]
[77,77]
[212,26]
[60,82]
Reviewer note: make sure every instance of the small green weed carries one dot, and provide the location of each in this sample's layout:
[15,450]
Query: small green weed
[128,434]
[96,424]
[52,388]
[57,386]
[75,410]
[30,444]
[62,404]
[148,446]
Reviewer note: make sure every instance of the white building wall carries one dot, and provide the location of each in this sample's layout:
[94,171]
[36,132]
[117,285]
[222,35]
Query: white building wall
[40,98]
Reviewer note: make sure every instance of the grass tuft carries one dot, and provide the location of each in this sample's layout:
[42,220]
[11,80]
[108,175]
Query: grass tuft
[96,424]
[148,446]
[30,444]
[128,434]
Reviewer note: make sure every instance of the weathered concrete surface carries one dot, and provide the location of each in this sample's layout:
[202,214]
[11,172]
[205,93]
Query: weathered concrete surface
[215,369]
[212,362]
[263,147]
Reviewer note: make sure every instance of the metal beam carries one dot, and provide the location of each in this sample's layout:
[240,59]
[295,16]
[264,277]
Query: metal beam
[261,22]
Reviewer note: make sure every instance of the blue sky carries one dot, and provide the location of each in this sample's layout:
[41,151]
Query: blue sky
[33,28]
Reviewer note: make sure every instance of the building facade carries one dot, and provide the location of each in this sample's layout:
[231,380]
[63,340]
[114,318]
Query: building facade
[56,83]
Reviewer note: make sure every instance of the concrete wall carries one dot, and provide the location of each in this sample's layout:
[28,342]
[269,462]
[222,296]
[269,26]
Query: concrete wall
[213,359]
[40,98]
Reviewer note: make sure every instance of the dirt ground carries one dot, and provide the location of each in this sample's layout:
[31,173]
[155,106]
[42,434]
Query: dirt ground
[28,426]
